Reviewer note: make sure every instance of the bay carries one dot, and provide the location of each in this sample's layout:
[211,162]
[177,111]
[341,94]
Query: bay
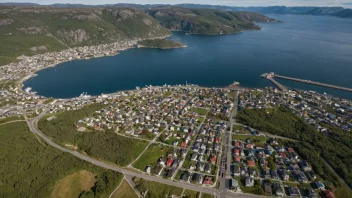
[318,48]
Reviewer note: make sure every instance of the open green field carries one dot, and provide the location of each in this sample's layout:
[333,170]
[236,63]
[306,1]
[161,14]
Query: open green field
[105,145]
[31,169]
[200,111]
[204,195]
[190,194]
[155,189]
[73,185]
[151,155]
[251,137]
[240,129]
[9,119]
[124,190]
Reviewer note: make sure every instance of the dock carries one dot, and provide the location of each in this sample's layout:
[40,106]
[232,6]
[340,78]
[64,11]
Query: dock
[271,75]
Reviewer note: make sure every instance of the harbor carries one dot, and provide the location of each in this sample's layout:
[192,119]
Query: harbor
[270,76]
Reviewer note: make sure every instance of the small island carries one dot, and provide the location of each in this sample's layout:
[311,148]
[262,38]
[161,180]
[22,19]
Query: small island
[160,43]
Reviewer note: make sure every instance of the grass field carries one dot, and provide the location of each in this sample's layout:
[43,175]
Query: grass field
[207,195]
[190,194]
[124,190]
[31,169]
[240,129]
[200,111]
[252,137]
[105,145]
[73,185]
[151,156]
[12,118]
[155,189]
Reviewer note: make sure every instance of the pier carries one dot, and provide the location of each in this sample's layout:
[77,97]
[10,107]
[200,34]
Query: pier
[271,75]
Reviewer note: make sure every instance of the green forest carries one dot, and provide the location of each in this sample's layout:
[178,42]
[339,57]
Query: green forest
[29,168]
[105,145]
[314,146]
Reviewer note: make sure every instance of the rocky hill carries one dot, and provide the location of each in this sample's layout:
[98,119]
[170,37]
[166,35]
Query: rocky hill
[206,21]
[29,30]
[32,30]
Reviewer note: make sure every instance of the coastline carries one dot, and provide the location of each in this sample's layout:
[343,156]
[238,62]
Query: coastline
[33,74]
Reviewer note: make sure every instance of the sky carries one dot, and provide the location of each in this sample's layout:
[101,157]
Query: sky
[343,3]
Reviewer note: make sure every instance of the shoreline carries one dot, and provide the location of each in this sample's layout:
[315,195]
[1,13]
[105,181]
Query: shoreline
[20,82]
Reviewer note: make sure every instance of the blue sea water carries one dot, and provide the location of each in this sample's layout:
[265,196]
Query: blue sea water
[317,48]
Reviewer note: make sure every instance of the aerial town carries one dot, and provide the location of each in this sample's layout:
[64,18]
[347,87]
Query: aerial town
[188,127]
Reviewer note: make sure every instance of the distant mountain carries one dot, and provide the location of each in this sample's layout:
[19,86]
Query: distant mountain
[206,21]
[346,13]
[19,4]
[324,10]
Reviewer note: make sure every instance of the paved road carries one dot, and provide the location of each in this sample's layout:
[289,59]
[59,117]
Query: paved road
[33,127]
[226,161]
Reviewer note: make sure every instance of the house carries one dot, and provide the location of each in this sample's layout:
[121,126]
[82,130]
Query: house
[304,165]
[169,161]
[157,170]
[185,176]
[207,168]
[161,161]
[147,169]
[283,175]
[267,189]
[213,159]
[252,173]
[273,174]
[311,193]
[237,152]
[236,170]
[292,191]
[175,163]
[171,172]
[208,181]
[251,163]
[183,153]
[194,157]
[249,182]
[318,185]
[234,185]
[237,159]
[183,144]
[278,189]
[327,194]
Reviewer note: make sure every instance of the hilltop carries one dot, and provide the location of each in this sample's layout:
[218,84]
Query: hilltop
[206,21]
[33,30]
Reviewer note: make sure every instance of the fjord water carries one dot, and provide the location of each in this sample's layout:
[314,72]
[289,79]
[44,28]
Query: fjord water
[317,48]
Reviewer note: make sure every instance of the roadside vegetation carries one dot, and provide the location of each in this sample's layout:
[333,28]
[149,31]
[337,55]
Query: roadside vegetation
[31,169]
[9,119]
[190,194]
[105,145]
[315,147]
[124,190]
[151,155]
[150,189]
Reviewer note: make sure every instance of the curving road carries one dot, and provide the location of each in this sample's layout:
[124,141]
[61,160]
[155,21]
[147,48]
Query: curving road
[33,128]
